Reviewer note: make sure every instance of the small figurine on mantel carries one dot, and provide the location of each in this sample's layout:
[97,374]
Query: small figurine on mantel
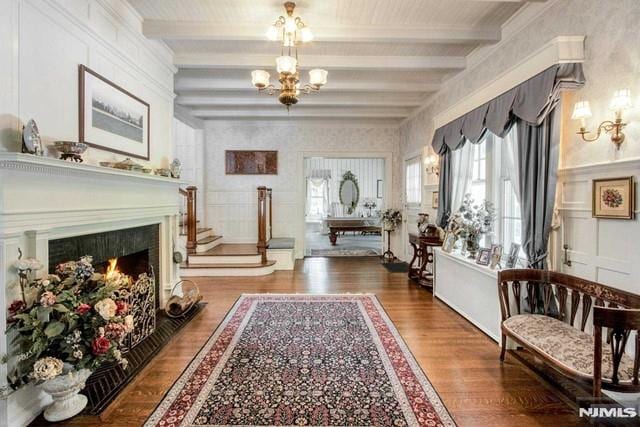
[176,168]
[31,141]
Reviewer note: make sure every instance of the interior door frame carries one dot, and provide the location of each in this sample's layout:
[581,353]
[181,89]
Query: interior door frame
[301,193]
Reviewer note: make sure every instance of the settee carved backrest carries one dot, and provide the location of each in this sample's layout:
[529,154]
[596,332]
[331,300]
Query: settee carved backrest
[562,297]
[556,290]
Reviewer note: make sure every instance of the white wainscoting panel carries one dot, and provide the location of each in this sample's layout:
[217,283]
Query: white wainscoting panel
[604,250]
[51,38]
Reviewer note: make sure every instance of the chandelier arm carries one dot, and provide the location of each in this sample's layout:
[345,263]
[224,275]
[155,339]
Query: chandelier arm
[269,90]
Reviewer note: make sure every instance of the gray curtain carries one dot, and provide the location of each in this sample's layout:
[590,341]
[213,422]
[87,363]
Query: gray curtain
[444,188]
[538,154]
[532,105]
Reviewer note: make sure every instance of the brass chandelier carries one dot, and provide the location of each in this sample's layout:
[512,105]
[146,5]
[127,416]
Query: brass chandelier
[290,31]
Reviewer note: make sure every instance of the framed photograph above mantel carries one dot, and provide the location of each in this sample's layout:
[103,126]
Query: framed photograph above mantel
[613,198]
[251,162]
[111,118]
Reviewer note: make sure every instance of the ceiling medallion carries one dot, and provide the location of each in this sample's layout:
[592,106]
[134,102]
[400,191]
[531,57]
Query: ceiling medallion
[290,31]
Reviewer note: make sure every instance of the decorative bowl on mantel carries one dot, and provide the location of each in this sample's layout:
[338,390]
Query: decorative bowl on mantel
[70,150]
[129,165]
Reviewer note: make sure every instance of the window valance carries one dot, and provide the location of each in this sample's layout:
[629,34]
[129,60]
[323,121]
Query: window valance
[530,101]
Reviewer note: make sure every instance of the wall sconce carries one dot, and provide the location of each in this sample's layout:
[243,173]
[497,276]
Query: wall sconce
[620,102]
[432,164]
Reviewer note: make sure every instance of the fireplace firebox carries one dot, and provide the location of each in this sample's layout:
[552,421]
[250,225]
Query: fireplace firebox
[134,252]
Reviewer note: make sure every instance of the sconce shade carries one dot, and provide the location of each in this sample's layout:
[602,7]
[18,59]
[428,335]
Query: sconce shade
[621,100]
[432,160]
[306,35]
[581,110]
[286,64]
[318,77]
[260,78]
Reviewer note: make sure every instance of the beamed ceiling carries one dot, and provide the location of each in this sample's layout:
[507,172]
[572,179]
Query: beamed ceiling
[384,57]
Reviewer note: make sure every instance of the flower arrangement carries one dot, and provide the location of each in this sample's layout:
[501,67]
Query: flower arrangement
[472,220]
[391,219]
[72,320]
[612,198]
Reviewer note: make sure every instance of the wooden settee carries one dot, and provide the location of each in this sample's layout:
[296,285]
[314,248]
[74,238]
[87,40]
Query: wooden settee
[547,313]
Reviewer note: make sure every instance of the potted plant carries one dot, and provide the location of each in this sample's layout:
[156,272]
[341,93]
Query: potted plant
[391,218]
[65,326]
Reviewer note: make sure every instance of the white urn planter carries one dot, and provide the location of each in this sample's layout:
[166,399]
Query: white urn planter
[64,390]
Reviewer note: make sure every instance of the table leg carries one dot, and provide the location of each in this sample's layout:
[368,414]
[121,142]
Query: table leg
[333,237]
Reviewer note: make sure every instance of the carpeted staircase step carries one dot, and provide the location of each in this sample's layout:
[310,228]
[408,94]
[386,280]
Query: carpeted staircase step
[208,240]
[200,230]
[188,265]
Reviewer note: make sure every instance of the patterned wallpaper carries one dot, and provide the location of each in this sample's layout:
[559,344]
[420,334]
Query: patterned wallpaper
[613,61]
[231,199]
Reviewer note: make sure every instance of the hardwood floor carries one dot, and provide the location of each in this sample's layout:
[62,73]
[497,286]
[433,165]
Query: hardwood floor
[460,361]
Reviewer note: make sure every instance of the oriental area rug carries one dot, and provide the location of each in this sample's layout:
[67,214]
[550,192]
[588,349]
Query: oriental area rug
[318,360]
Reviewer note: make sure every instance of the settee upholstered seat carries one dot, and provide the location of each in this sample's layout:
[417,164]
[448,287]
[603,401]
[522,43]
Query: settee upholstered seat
[569,347]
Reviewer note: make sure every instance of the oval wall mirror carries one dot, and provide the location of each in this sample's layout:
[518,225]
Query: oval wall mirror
[349,192]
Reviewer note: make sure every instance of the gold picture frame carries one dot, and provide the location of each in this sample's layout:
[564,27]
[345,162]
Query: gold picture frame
[435,199]
[613,198]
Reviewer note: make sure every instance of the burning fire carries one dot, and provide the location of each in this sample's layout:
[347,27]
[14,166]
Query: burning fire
[112,268]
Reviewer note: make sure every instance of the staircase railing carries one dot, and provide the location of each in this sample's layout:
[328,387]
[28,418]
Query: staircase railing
[265,220]
[189,218]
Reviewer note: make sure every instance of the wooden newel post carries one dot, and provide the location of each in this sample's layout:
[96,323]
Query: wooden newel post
[192,224]
[262,223]
[270,194]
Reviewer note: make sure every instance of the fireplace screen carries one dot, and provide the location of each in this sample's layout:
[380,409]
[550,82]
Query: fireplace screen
[140,297]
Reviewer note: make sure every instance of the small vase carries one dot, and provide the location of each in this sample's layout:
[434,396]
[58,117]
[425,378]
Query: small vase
[473,245]
[64,391]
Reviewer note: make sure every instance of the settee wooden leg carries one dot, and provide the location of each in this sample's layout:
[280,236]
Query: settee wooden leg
[504,347]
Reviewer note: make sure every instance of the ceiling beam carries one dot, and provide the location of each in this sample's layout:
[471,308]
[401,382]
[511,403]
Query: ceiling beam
[330,62]
[197,30]
[213,84]
[263,100]
[393,112]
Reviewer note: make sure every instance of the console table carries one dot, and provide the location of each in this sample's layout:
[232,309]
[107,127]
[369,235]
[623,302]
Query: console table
[421,265]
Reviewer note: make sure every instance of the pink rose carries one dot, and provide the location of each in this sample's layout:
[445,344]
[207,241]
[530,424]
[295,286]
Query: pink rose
[100,346]
[121,307]
[115,331]
[47,299]
[83,309]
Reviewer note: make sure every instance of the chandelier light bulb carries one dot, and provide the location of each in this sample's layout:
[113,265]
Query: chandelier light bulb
[272,33]
[260,78]
[318,77]
[290,25]
[306,35]
[286,64]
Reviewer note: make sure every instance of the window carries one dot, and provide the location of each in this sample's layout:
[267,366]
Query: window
[414,181]
[510,217]
[478,187]
[316,198]
[486,170]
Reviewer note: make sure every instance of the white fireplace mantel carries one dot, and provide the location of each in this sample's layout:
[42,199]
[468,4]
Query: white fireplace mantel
[43,198]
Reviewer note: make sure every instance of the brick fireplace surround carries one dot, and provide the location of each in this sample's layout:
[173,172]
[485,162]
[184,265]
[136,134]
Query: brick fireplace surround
[45,200]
